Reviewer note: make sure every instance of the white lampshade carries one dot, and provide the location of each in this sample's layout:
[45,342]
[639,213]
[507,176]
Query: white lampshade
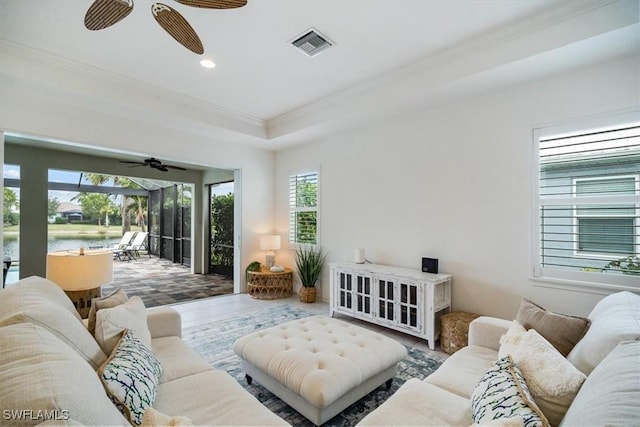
[270,242]
[80,270]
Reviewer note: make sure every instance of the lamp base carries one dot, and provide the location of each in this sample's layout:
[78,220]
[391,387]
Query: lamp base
[270,260]
[82,299]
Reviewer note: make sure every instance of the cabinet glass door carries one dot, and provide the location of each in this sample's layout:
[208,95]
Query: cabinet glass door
[363,294]
[386,299]
[409,315]
[345,290]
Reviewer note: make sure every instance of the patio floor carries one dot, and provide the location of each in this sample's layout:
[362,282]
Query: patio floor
[160,281]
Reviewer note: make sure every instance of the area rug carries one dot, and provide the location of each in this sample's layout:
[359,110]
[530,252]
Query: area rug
[214,341]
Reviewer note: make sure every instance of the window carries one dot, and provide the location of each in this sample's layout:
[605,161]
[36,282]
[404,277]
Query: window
[587,219]
[303,208]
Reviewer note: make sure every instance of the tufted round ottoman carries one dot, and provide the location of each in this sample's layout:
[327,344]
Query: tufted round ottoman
[454,333]
[319,365]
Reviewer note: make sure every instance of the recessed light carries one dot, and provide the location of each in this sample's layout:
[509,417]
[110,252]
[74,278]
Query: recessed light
[207,63]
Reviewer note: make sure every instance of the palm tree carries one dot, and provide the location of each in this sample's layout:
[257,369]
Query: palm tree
[138,206]
[119,181]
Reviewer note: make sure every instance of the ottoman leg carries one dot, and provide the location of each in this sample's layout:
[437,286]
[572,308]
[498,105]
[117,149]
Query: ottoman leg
[248,378]
[388,384]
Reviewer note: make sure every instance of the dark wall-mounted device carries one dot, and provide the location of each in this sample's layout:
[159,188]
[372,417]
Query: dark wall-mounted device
[430,265]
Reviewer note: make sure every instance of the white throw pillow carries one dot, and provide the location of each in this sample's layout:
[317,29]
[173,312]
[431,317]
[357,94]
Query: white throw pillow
[552,380]
[131,376]
[110,322]
[509,342]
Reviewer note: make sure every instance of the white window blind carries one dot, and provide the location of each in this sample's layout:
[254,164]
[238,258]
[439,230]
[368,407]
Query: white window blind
[589,206]
[303,208]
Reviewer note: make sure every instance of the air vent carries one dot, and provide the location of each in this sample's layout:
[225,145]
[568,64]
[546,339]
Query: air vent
[312,42]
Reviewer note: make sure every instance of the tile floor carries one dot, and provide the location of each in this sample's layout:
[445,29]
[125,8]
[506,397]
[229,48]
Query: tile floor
[160,282]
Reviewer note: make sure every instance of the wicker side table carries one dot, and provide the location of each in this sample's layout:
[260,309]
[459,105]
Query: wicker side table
[454,333]
[265,284]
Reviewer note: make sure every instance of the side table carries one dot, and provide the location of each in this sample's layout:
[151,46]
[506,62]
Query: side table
[265,284]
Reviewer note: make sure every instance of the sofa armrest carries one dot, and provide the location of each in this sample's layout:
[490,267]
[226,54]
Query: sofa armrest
[486,331]
[164,322]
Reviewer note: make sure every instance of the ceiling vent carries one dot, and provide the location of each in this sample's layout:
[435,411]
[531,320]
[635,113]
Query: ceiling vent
[311,42]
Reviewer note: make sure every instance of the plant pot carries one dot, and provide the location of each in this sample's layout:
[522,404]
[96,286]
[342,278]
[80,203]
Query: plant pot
[308,294]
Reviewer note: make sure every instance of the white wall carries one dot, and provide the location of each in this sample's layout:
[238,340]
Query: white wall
[453,183]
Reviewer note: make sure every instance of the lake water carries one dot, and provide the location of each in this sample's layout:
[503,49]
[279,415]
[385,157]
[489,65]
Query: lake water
[60,243]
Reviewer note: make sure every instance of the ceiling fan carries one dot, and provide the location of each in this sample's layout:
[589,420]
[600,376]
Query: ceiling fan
[105,13]
[154,164]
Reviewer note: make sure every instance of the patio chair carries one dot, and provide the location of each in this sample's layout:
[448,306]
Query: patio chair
[120,249]
[139,243]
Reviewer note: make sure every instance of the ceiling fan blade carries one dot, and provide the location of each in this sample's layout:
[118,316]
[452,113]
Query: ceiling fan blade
[175,167]
[161,168]
[214,4]
[133,163]
[105,13]
[178,27]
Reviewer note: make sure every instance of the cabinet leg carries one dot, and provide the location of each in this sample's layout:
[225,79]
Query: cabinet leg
[388,384]
[248,378]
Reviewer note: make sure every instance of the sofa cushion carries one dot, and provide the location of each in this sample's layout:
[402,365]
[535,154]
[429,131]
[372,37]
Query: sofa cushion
[42,302]
[130,376]
[460,373]
[111,322]
[611,393]
[115,298]
[213,398]
[552,380]
[177,358]
[418,403]
[502,393]
[40,373]
[562,331]
[614,319]
[509,342]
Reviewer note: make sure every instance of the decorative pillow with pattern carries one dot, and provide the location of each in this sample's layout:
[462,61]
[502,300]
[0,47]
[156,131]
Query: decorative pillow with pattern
[502,393]
[130,376]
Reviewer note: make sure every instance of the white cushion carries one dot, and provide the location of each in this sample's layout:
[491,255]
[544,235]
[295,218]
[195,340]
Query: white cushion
[213,398]
[418,403]
[39,372]
[614,319]
[319,358]
[611,394]
[460,373]
[41,302]
[552,380]
[111,322]
[509,342]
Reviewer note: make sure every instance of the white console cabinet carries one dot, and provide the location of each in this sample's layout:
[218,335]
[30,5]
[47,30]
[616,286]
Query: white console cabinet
[398,298]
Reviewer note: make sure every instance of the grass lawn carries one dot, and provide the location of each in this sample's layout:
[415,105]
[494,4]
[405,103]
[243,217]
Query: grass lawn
[75,229]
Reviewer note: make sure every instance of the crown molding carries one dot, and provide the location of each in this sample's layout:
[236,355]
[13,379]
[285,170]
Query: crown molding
[138,93]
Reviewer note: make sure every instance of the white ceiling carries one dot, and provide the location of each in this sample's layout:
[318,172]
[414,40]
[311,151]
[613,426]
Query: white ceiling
[270,94]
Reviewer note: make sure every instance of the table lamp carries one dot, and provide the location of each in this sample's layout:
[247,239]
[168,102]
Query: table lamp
[81,274]
[270,243]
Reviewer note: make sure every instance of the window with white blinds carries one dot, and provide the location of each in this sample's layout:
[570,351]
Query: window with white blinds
[303,208]
[588,215]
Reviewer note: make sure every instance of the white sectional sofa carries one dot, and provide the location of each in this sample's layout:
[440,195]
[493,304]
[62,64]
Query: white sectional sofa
[48,363]
[609,354]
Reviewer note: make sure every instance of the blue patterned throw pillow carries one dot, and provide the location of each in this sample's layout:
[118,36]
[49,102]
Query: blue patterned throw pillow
[130,376]
[502,393]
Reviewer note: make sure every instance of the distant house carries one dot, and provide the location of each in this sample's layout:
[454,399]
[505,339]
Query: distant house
[70,211]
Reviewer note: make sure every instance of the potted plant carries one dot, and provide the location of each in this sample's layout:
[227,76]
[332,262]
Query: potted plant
[309,263]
